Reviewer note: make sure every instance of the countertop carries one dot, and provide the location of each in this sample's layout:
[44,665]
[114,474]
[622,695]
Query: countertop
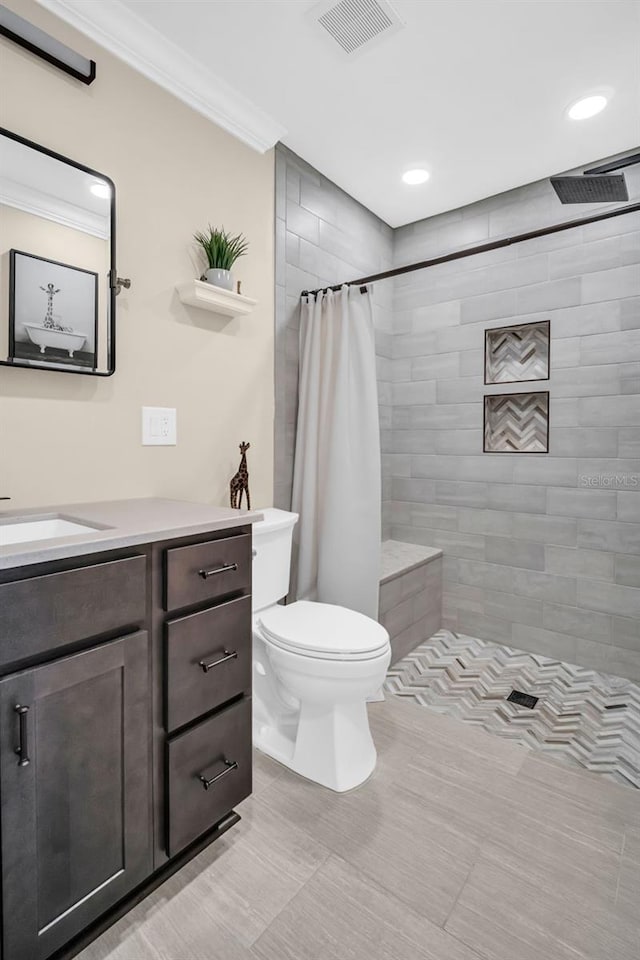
[121,523]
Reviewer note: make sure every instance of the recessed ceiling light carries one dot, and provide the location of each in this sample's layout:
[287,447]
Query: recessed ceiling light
[102,190]
[416,176]
[587,107]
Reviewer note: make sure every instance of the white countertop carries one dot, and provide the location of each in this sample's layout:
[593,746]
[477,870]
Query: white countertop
[121,523]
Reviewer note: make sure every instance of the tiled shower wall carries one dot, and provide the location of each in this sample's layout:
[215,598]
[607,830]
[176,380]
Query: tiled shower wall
[540,551]
[323,236]
[534,555]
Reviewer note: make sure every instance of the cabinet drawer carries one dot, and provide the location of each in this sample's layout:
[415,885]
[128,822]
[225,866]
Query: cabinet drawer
[208,771]
[41,613]
[205,571]
[208,658]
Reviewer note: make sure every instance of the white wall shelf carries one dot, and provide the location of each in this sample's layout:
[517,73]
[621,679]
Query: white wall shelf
[205,296]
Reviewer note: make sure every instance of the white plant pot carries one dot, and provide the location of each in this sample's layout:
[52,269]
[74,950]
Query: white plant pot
[219,278]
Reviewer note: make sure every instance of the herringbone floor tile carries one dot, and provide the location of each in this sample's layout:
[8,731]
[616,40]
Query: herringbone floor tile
[581,717]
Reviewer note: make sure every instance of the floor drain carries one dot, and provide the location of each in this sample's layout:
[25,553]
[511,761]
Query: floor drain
[522,699]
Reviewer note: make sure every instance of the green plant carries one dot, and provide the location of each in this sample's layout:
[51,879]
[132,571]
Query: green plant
[221,249]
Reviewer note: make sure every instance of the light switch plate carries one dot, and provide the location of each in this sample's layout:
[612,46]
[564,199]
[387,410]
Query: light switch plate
[159,427]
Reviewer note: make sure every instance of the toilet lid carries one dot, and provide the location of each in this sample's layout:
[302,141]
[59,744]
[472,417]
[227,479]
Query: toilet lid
[324,630]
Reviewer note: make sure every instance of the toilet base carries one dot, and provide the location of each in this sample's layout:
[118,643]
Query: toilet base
[329,745]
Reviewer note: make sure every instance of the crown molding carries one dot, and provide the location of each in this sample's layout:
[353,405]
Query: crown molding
[123,33]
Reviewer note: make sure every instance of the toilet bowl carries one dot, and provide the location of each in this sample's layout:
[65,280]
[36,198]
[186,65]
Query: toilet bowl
[315,665]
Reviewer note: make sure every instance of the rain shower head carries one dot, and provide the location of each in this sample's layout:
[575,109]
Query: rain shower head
[597,184]
[591,188]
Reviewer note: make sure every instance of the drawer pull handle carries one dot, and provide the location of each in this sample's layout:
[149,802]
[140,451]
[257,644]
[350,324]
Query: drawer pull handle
[215,663]
[205,574]
[229,766]
[22,749]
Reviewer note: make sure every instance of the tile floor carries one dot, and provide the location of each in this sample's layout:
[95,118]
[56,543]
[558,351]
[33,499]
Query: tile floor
[582,717]
[462,846]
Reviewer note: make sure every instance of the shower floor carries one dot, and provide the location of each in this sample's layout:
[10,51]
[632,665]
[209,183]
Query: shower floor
[581,717]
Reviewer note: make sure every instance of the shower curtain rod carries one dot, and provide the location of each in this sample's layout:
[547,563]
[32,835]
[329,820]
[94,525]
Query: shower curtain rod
[481,248]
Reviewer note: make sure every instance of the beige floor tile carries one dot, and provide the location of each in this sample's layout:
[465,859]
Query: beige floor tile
[389,834]
[120,942]
[340,915]
[265,771]
[628,890]
[176,922]
[491,801]
[266,863]
[395,716]
[613,799]
[517,857]
[549,916]
[632,844]
[494,941]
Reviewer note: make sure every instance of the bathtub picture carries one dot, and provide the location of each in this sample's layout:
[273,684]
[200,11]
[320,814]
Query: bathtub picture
[53,312]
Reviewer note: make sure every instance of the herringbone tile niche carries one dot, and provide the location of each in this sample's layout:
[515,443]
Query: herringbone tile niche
[516,423]
[517,353]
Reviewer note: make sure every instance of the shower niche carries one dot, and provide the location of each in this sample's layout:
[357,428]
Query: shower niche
[516,423]
[517,354]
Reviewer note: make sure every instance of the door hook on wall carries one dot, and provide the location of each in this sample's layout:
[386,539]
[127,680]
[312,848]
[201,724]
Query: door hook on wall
[120,283]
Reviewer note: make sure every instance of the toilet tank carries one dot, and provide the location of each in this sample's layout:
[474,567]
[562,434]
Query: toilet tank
[271,557]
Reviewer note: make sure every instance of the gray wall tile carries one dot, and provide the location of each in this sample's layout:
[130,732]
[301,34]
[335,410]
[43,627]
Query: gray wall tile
[524,538]
[552,530]
[515,553]
[627,571]
[600,504]
[512,608]
[629,506]
[585,564]
[609,536]
[626,633]
[580,623]
[609,598]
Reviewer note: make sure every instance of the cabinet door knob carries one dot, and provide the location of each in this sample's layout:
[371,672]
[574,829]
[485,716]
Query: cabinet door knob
[229,766]
[23,742]
[215,663]
[205,574]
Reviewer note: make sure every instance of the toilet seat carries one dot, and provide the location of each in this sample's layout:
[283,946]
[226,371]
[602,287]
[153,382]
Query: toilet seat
[323,631]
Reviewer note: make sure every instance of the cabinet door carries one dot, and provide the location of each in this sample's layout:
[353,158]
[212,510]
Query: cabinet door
[75,792]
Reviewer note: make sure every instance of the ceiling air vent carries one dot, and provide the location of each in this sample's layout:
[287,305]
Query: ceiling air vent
[354,24]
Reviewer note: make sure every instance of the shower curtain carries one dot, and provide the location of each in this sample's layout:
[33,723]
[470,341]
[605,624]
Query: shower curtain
[336,478]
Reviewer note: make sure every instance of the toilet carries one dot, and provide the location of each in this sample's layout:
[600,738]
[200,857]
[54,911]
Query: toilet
[314,666]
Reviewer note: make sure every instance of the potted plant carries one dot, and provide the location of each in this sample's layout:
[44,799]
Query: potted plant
[221,250]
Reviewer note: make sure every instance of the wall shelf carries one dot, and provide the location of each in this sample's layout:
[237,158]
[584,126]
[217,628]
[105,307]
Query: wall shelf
[205,296]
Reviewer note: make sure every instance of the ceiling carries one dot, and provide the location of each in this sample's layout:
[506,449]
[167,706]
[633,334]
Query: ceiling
[473,90]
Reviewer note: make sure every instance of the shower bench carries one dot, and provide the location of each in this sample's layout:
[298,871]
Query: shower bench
[410,594]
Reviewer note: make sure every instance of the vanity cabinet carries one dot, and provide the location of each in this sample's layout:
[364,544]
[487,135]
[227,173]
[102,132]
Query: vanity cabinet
[74,788]
[125,728]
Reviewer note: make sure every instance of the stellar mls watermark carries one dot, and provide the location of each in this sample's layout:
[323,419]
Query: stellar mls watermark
[610,481]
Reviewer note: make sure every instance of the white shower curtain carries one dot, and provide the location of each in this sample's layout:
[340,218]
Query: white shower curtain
[336,478]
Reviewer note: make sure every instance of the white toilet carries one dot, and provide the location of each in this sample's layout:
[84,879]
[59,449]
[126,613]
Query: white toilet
[314,665]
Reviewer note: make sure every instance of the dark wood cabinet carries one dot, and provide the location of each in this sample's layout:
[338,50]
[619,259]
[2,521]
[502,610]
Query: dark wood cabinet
[75,792]
[125,728]
[208,660]
[209,771]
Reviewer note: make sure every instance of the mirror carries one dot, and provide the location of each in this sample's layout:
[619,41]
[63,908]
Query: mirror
[57,261]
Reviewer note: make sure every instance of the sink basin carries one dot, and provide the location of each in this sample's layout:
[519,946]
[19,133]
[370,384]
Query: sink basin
[25,529]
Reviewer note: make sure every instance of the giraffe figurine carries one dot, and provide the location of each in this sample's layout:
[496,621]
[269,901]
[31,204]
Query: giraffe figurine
[239,483]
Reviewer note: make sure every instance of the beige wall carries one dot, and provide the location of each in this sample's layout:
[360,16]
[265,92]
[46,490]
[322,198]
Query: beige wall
[67,438]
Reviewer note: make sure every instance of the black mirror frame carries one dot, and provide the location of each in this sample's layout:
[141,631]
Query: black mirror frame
[112,284]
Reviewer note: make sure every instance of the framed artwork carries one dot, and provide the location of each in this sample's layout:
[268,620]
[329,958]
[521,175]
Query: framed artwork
[53,312]
[516,422]
[517,354]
